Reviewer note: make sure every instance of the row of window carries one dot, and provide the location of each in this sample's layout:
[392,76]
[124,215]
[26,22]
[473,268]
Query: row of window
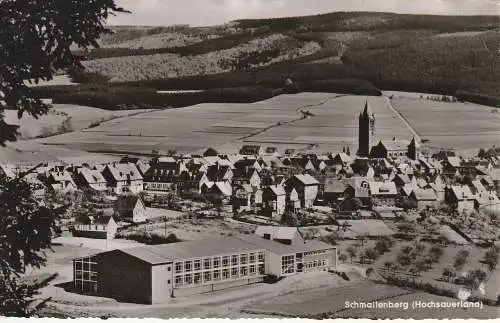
[159,186]
[315,264]
[218,275]
[217,262]
[314,253]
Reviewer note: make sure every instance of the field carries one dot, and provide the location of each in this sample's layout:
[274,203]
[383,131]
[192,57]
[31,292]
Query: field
[276,122]
[279,122]
[190,229]
[459,126]
[80,117]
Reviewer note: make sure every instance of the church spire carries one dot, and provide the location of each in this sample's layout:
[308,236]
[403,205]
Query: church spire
[367,111]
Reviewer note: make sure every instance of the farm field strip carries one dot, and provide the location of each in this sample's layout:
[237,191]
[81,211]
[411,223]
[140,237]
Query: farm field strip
[474,126]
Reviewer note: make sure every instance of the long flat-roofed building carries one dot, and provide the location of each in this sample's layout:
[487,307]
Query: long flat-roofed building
[154,274]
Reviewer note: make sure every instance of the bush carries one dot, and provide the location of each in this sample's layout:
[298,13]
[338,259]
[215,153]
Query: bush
[491,258]
[330,238]
[149,238]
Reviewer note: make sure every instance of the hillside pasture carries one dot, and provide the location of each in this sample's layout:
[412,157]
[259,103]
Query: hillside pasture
[460,126]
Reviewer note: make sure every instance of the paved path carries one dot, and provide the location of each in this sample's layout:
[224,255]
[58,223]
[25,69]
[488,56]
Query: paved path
[408,125]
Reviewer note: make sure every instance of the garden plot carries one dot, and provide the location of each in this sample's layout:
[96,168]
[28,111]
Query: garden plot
[459,126]
[369,228]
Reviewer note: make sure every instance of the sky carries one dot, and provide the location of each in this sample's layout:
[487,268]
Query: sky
[213,12]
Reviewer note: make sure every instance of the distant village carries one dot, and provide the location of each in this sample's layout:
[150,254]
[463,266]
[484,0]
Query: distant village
[266,186]
[283,195]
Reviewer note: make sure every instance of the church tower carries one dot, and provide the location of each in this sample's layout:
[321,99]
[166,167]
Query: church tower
[413,150]
[366,127]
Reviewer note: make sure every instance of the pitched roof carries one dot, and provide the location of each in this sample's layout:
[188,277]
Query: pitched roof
[495,174]
[404,178]
[306,179]
[7,170]
[216,173]
[224,187]
[127,202]
[395,145]
[277,190]
[424,195]
[166,159]
[453,161]
[487,198]
[123,172]
[61,176]
[382,188]
[334,185]
[92,176]
[462,192]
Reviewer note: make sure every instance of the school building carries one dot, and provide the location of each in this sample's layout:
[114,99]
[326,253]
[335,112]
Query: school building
[154,274]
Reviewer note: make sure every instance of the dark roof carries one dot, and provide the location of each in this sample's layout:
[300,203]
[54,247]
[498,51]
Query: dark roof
[210,152]
[395,145]
[215,173]
[246,162]
[127,202]
[102,219]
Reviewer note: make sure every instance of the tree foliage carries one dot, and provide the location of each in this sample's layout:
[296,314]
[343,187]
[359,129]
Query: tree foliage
[26,230]
[36,37]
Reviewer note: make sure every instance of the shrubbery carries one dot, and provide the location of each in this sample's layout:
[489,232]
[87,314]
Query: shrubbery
[149,238]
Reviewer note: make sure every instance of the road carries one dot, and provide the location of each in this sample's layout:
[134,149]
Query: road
[408,125]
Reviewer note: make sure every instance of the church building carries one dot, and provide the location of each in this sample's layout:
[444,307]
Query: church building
[384,148]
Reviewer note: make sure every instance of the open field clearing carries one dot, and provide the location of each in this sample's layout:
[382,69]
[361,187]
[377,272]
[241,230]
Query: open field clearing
[270,49]
[81,117]
[457,126]
[162,40]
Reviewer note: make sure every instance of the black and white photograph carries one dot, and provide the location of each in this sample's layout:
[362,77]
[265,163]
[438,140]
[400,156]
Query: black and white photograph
[250,159]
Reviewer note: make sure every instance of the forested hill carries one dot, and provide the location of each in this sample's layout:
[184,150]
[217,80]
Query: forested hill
[353,52]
